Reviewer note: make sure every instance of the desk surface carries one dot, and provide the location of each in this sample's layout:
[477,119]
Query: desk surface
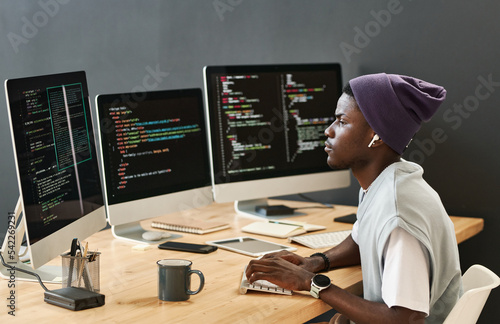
[129,279]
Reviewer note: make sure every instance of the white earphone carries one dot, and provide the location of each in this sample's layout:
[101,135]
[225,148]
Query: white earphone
[375,138]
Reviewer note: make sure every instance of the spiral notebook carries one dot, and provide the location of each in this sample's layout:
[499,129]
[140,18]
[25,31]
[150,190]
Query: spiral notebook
[188,225]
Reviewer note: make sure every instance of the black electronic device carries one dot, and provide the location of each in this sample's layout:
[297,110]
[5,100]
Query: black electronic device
[74,298]
[187,247]
[350,219]
[274,210]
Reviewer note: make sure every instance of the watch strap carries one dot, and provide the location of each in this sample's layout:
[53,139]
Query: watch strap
[315,291]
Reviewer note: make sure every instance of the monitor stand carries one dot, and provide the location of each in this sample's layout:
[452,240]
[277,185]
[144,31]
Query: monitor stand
[248,208]
[12,247]
[133,232]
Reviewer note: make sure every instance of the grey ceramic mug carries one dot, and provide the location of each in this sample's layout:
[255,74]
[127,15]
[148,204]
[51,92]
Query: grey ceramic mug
[174,279]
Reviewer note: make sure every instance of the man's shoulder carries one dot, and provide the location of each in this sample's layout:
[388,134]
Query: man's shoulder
[407,167]
[401,176]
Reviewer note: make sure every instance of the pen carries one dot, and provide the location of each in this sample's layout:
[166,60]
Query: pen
[74,245]
[83,262]
[285,223]
[93,257]
[72,253]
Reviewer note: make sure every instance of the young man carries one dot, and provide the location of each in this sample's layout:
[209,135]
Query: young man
[403,237]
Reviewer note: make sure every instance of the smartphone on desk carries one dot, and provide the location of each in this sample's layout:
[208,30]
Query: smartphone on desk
[187,247]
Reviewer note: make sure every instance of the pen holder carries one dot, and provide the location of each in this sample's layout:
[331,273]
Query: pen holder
[81,272]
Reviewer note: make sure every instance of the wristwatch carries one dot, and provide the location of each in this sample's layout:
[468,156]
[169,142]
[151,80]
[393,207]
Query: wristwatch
[318,283]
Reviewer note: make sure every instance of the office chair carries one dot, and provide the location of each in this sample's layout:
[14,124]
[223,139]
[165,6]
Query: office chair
[478,281]
[339,319]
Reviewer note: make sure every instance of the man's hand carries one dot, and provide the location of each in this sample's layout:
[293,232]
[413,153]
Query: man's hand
[286,270]
[309,264]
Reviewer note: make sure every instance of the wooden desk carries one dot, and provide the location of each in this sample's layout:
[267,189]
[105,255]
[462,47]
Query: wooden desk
[129,280]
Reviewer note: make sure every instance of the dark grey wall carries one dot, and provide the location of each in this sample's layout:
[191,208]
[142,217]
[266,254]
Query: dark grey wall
[451,43]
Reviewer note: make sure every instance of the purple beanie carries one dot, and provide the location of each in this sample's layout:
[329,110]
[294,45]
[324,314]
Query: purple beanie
[395,105]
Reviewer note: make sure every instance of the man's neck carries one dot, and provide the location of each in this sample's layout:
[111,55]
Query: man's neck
[370,172]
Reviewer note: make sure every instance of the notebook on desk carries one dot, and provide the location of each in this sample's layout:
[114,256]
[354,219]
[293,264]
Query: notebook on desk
[188,225]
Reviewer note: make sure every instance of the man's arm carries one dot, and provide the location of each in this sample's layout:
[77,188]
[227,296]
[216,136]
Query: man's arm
[294,272]
[280,266]
[343,255]
[361,311]
[294,277]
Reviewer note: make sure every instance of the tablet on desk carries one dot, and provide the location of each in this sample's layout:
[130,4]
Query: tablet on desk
[250,246]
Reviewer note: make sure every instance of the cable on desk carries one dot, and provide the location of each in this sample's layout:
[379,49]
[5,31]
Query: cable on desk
[25,271]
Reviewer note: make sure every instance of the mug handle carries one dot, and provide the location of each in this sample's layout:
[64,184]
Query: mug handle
[202,282]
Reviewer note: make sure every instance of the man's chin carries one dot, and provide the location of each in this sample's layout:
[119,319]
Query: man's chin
[334,165]
[331,164]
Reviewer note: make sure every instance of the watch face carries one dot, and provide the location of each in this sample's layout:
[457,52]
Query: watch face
[321,280]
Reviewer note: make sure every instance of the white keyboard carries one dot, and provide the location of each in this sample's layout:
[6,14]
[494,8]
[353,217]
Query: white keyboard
[321,240]
[261,285]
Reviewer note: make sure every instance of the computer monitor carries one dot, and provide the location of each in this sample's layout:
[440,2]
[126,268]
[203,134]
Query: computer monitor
[57,167]
[266,127]
[155,157]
